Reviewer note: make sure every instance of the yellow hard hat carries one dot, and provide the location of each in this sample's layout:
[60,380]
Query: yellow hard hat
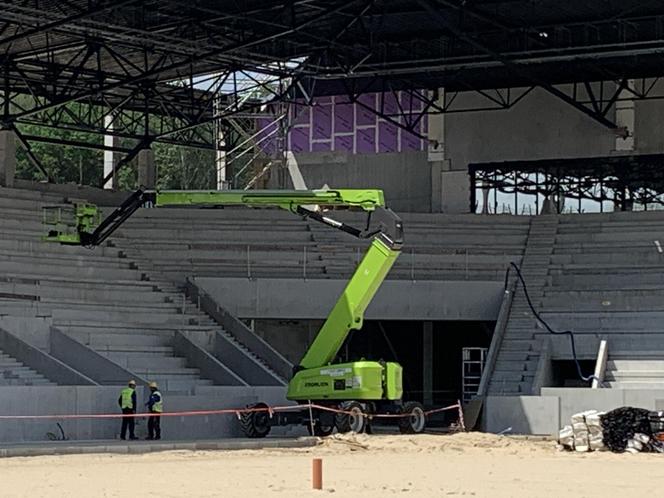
[152,384]
[132,382]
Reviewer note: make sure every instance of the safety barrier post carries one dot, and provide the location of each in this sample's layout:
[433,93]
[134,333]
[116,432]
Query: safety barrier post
[317,473]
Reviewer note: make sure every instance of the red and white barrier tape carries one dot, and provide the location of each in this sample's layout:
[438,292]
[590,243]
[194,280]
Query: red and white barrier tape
[229,411]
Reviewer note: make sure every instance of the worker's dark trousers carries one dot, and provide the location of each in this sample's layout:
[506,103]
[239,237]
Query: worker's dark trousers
[127,422]
[154,427]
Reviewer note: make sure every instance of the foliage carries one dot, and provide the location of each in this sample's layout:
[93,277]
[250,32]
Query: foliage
[178,167]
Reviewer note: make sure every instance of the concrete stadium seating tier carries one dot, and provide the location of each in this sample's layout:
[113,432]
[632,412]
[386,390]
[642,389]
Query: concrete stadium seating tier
[602,276]
[272,243]
[104,301]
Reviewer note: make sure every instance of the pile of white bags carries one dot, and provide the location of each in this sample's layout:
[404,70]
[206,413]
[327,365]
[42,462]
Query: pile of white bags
[585,433]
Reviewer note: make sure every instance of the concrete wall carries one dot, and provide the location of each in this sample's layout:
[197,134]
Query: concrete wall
[405,177]
[71,190]
[290,337]
[548,413]
[396,299]
[540,126]
[98,400]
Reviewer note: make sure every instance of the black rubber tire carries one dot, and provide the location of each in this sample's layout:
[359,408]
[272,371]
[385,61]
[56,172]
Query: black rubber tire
[346,422]
[255,424]
[321,430]
[417,421]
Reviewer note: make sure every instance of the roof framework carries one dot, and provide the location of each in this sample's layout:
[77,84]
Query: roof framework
[188,63]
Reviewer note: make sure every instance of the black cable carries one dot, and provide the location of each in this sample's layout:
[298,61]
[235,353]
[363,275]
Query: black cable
[547,326]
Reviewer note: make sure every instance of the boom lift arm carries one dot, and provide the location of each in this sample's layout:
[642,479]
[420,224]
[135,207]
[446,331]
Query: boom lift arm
[355,387]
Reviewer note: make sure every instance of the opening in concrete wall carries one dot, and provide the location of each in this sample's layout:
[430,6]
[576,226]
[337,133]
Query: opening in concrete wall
[564,373]
[431,353]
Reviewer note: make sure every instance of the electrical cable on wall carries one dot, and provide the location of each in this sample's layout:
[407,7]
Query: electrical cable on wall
[547,326]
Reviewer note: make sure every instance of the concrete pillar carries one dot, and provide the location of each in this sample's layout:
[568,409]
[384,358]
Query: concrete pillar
[220,161]
[436,154]
[147,170]
[625,118]
[111,158]
[7,158]
[427,363]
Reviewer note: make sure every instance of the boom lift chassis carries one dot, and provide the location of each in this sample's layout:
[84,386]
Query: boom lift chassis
[349,393]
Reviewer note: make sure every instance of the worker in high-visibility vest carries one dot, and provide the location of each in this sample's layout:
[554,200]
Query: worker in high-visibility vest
[127,402]
[155,406]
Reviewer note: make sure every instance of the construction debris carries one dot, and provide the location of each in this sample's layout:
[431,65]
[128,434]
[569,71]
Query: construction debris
[624,429]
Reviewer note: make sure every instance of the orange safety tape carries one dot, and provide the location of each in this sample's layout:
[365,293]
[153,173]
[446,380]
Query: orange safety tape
[235,411]
[382,415]
[150,414]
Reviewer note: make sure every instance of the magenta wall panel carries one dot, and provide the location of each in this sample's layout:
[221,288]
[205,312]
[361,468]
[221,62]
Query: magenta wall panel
[410,142]
[388,137]
[321,146]
[344,143]
[364,117]
[388,105]
[343,118]
[366,141]
[322,122]
[299,139]
[335,124]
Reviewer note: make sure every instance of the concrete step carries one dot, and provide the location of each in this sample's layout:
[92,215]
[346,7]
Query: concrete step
[145,361]
[125,348]
[517,345]
[162,372]
[618,375]
[124,340]
[636,384]
[25,382]
[635,364]
[177,386]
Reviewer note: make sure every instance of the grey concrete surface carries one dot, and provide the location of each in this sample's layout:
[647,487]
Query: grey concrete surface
[521,414]
[396,299]
[50,367]
[85,400]
[7,158]
[405,177]
[548,413]
[141,447]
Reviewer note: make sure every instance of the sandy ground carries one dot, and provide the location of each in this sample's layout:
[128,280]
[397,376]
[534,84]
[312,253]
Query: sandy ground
[356,466]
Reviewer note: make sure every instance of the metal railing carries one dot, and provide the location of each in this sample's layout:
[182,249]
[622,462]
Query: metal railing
[306,261]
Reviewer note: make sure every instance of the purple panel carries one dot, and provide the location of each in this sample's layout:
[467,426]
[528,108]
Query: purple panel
[299,139]
[300,114]
[344,143]
[322,122]
[321,146]
[387,137]
[366,141]
[410,142]
[364,116]
[266,126]
[389,103]
[410,103]
[343,118]
[323,100]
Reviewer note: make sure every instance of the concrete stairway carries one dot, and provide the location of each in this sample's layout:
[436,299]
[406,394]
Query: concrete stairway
[274,244]
[640,370]
[190,313]
[147,353]
[100,297]
[519,354]
[15,373]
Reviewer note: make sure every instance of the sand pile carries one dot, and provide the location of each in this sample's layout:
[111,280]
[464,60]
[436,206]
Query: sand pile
[364,466]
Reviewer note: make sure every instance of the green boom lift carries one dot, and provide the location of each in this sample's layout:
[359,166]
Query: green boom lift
[351,391]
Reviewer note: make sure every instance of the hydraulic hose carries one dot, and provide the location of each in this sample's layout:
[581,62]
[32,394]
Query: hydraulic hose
[549,329]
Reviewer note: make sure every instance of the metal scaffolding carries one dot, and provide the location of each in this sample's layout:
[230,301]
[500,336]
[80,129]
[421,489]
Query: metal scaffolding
[176,71]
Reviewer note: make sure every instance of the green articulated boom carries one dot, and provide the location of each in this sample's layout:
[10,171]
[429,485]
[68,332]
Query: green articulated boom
[356,388]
